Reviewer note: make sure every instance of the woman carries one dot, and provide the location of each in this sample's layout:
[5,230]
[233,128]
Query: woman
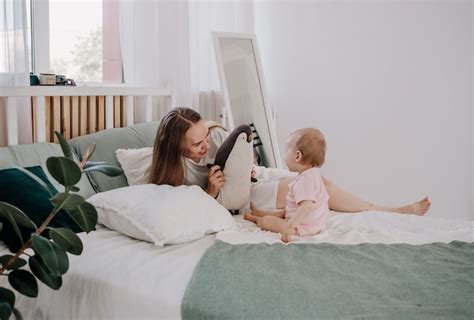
[185,144]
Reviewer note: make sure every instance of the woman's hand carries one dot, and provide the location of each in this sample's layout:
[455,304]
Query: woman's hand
[215,181]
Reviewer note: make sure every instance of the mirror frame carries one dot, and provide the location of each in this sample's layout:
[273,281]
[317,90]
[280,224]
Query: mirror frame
[268,111]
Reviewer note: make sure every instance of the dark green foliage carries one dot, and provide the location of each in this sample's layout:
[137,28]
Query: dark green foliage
[85,216]
[18,263]
[64,170]
[24,282]
[15,184]
[67,240]
[50,260]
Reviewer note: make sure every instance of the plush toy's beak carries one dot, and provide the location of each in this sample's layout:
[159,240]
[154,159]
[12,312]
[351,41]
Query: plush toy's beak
[248,131]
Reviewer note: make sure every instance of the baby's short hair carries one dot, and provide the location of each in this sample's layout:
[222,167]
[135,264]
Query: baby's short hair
[312,145]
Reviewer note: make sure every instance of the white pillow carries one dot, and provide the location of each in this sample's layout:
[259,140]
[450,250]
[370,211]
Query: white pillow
[161,214]
[135,164]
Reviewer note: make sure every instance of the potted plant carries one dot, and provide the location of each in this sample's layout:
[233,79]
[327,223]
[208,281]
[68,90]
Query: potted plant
[49,246]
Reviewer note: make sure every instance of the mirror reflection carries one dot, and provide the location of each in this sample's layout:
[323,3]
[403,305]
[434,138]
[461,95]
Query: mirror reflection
[242,85]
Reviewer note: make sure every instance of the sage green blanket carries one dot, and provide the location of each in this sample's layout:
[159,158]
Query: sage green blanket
[329,281]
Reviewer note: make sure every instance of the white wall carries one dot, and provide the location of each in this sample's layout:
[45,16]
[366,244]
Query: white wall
[390,85]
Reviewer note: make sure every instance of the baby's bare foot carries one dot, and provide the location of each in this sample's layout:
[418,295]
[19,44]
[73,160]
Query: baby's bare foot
[255,211]
[250,217]
[419,208]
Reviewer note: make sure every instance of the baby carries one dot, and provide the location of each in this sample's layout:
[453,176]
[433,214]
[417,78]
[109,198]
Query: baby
[307,200]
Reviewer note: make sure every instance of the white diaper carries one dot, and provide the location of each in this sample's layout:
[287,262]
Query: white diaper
[264,192]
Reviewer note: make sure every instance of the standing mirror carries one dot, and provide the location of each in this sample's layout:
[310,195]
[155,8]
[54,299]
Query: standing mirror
[241,77]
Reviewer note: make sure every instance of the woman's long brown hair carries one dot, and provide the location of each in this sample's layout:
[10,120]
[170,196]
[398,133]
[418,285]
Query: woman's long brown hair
[167,166]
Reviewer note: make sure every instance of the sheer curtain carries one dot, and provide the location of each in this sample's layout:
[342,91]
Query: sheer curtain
[170,43]
[14,62]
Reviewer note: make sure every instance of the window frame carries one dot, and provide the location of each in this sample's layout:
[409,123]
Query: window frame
[40,55]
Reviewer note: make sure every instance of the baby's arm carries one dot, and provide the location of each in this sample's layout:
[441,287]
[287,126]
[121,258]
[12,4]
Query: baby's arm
[304,207]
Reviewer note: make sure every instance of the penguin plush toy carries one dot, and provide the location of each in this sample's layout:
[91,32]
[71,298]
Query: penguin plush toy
[235,158]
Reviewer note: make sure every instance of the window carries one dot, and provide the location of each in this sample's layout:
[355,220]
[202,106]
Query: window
[14,36]
[83,39]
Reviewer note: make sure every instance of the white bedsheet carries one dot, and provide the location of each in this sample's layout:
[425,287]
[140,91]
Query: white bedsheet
[364,227]
[117,277]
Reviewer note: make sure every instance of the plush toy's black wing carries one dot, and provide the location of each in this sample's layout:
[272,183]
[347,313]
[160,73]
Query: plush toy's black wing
[226,147]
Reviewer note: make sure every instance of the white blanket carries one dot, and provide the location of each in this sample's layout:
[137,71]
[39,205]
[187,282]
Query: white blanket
[117,277]
[364,227]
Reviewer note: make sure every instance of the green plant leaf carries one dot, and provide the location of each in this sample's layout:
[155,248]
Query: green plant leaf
[37,179]
[67,200]
[96,163]
[17,314]
[74,189]
[64,145]
[44,248]
[24,282]
[5,310]
[90,150]
[54,257]
[107,169]
[14,215]
[6,295]
[67,240]
[18,263]
[63,261]
[44,274]
[7,210]
[64,170]
[85,215]
[7,303]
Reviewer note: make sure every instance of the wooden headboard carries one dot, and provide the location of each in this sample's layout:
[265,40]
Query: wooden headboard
[76,111]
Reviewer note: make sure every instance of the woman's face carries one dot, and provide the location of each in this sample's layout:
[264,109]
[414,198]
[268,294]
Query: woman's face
[196,141]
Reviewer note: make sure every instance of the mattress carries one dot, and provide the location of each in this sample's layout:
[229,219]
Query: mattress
[117,277]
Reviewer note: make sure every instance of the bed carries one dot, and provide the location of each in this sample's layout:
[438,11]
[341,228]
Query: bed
[224,274]
[118,277]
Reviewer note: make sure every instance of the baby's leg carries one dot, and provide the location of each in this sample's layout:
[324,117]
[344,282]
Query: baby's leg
[272,223]
[261,213]
[344,201]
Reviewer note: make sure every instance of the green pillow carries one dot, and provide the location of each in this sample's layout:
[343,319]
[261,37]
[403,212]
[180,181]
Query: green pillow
[22,191]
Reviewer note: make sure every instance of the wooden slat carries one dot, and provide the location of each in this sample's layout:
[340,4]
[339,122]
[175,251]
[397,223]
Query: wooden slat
[40,117]
[3,119]
[12,121]
[75,116]
[149,108]
[66,117]
[34,110]
[117,112]
[48,113]
[101,113]
[83,115]
[123,111]
[129,110]
[56,110]
[109,112]
[92,107]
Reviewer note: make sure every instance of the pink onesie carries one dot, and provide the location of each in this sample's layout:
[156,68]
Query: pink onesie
[308,185]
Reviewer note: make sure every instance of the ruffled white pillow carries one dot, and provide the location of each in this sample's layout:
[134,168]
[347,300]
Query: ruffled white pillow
[161,214]
[135,164]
